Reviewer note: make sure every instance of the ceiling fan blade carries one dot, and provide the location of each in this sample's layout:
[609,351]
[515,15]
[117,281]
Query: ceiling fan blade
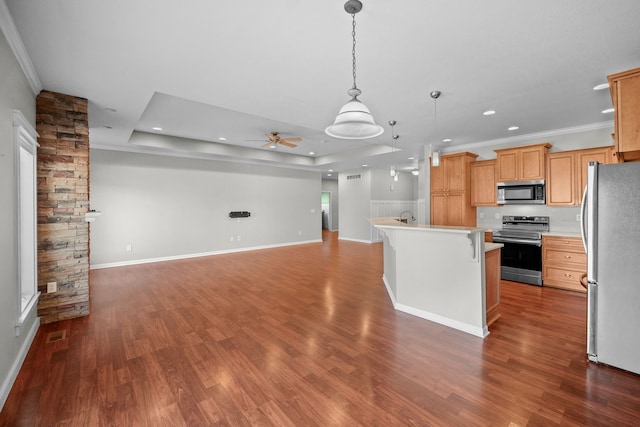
[287,143]
[269,144]
[292,139]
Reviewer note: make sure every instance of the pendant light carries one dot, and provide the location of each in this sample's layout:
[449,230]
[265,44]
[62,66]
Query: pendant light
[393,170]
[435,155]
[354,121]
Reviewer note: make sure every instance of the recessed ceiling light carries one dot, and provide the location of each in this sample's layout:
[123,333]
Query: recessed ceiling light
[222,138]
[415,172]
[514,128]
[601,86]
[489,113]
[608,110]
[330,170]
[156,128]
[446,140]
[273,146]
[411,158]
[329,174]
[364,166]
[311,153]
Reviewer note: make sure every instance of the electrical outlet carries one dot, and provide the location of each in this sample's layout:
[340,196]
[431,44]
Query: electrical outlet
[238,238]
[299,232]
[231,239]
[129,248]
[481,215]
[578,217]
[52,287]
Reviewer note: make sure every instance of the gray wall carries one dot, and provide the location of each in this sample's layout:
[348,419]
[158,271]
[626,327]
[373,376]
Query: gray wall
[383,187]
[355,202]
[167,207]
[15,94]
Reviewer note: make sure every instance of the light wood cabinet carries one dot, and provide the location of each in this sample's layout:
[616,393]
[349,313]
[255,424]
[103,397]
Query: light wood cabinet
[492,285]
[483,183]
[625,94]
[450,191]
[567,174]
[564,262]
[525,163]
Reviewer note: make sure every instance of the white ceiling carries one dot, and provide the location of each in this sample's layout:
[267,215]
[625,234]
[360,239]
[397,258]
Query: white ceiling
[207,69]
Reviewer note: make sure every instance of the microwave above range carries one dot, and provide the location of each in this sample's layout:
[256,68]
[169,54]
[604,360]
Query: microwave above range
[521,193]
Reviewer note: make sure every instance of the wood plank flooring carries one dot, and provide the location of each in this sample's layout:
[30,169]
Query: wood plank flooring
[307,336]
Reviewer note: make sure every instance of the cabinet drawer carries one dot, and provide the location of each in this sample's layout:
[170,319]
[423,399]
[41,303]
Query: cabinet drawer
[564,257]
[568,243]
[566,278]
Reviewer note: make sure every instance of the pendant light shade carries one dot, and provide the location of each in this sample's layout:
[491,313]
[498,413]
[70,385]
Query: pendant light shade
[354,121]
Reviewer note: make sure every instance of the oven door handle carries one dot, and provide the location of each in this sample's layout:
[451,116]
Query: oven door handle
[537,243]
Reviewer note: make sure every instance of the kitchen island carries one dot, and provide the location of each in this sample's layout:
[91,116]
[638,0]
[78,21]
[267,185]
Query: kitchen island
[437,272]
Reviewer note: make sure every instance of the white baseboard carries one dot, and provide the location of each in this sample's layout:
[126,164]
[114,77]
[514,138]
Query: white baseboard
[196,255]
[354,240]
[455,324]
[7,383]
[464,327]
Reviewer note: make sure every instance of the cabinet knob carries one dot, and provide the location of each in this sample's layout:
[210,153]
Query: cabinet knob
[567,256]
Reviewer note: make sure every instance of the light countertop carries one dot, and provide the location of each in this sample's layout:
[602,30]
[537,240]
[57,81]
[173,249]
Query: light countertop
[490,246]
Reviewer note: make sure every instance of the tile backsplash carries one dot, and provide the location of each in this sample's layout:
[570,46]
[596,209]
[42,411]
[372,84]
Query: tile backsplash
[562,219]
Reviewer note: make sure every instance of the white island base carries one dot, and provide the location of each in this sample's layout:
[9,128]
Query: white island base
[436,273]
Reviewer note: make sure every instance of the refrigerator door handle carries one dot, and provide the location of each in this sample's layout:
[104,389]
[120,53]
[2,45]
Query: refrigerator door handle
[583,219]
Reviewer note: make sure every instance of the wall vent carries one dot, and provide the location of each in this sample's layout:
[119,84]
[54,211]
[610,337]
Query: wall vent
[358,176]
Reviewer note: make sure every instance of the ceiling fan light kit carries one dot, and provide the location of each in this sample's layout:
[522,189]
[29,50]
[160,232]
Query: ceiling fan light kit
[354,121]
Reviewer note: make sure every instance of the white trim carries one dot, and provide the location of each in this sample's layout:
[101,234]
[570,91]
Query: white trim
[196,255]
[354,240]
[17,363]
[19,50]
[529,136]
[455,324]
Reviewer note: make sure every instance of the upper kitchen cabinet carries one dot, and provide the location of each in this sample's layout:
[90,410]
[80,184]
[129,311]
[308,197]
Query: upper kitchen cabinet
[450,191]
[483,183]
[625,94]
[567,174]
[525,163]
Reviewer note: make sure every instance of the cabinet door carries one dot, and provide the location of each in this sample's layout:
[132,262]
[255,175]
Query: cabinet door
[455,170]
[561,185]
[628,113]
[532,163]
[507,165]
[438,209]
[603,155]
[483,183]
[456,209]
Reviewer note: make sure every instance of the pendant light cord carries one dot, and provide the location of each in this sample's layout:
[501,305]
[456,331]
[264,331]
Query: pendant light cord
[353,50]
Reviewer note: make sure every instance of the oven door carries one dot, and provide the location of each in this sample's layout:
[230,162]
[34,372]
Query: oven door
[521,260]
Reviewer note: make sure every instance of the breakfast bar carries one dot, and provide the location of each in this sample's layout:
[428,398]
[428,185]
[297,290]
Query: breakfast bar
[437,273]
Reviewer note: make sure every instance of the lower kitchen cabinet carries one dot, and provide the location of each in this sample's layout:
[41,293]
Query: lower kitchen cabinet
[492,285]
[564,262]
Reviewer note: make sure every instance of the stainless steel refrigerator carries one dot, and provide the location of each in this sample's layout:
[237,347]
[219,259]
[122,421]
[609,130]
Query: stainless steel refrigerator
[611,233]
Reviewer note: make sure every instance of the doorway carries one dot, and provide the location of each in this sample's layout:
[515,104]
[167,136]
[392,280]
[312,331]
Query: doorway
[325,205]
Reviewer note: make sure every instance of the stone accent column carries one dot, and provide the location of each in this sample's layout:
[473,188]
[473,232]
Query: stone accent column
[63,199]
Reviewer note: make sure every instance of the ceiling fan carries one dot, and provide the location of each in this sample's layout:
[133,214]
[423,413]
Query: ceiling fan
[275,139]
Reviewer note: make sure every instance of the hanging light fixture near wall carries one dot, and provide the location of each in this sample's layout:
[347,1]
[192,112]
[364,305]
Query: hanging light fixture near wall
[435,155]
[393,170]
[354,121]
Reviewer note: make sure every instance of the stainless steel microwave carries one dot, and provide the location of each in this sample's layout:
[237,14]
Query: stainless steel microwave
[521,193]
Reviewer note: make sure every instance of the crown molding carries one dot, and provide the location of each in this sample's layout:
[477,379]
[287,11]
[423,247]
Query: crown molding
[15,43]
[529,136]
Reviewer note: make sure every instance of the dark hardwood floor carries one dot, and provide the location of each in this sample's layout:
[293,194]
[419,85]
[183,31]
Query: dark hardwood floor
[307,336]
